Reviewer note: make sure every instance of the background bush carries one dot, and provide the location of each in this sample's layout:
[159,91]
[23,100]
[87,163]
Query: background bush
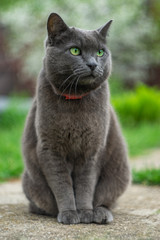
[140,105]
[11,127]
[147,176]
[134,35]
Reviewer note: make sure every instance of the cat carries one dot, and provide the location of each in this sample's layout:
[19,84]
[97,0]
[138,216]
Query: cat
[76,163]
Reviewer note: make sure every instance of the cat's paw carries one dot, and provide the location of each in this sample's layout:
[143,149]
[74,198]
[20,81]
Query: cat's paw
[102,215]
[68,217]
[85,215]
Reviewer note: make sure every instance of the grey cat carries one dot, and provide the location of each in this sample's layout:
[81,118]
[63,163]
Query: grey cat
[75,157]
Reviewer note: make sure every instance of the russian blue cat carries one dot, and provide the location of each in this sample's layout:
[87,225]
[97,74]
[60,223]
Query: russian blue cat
[75,156]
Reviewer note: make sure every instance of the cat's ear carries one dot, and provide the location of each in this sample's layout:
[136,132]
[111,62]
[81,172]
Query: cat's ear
[55,25]
[104,29]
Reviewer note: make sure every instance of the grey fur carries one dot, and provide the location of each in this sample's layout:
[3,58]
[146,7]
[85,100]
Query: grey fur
[75,157]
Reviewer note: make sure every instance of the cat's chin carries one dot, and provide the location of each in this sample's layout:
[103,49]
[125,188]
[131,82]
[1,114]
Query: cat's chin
[89,84]
[88,80]
[82,87]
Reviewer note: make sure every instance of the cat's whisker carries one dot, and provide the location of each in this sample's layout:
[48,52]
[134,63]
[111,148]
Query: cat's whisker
[80,71]
[65,71]
[71,86]
[65,89]
[99,71]
[67,86]
[84,75]
[73,81]
[76,86]
[66,80]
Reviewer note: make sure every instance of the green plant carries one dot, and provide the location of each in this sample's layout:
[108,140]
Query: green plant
[140,105]
[147,176]
[11,127]
[10,155]
[134,47]
[141,137]
[139,112]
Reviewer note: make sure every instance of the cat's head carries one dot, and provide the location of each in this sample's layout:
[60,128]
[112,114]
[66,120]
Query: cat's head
[76,61]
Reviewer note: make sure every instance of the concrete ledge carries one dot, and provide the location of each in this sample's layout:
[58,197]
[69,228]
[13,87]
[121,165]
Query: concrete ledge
[137,216]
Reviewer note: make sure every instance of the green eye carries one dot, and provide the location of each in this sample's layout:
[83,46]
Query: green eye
[100,53]
[75,51]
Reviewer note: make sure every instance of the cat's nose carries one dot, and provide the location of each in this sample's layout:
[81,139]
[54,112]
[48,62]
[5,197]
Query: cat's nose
[91,63]
[92,66]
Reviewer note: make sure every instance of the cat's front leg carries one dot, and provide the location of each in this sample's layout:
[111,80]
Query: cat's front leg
[60,182]
[84,183]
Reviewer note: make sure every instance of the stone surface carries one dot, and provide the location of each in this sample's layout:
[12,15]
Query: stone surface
[137,216]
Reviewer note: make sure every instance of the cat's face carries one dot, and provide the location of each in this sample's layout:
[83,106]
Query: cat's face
[76,61]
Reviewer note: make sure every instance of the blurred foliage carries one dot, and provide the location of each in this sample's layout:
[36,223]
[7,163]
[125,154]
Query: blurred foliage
[139,113]
[134,35]
[141,137]
[11,127]
[140,105]
[6,4]
[147,176]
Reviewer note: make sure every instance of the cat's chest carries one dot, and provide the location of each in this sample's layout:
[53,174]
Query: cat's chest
[75,134]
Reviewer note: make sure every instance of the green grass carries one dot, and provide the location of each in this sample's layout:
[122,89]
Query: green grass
[140,105]
[142,137]
[11,127]
[10,156]
[147,176]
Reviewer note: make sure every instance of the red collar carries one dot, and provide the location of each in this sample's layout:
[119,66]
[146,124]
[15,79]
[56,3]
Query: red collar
[74,97]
